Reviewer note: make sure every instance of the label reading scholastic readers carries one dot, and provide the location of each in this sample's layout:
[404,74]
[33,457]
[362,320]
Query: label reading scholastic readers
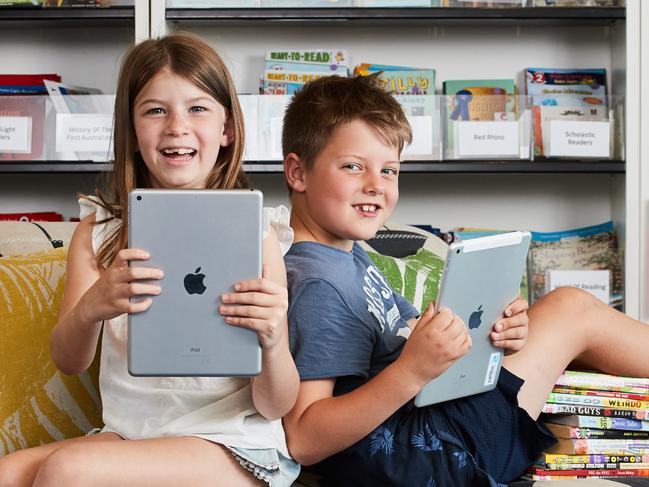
[16,135]
[477,139]
[84,132]
[579,139]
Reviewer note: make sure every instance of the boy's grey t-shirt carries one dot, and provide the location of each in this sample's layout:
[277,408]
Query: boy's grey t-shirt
[345,321]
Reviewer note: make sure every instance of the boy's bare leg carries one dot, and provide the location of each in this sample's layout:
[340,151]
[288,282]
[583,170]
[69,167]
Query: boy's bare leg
[160,462]
[19,468]
[567,325]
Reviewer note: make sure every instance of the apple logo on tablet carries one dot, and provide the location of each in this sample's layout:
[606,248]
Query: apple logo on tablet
[194,282]
[475,320]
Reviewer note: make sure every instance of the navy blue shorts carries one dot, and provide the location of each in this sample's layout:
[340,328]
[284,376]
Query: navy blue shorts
[481,440]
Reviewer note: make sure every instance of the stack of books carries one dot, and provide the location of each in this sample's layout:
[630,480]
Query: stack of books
[602,426]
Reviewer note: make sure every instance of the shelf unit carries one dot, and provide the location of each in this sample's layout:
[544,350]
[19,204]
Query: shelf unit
[459,43]
[274,167]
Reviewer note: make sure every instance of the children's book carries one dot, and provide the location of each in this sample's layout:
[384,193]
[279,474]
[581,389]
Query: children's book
[599,411]
[593,247]
[333,61]
[598,393]
[566,87]
[543,115]
[578,379]
[478,99]
[602,423]
[401,80]
[597,446]
[557,458]
[593,466]
[543,474]
[565,431]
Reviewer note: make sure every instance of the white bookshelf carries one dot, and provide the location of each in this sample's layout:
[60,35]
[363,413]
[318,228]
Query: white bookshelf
[464,48]
[88,53]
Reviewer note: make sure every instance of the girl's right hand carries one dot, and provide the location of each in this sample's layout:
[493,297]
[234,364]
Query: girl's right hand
[110,295]
[435,343]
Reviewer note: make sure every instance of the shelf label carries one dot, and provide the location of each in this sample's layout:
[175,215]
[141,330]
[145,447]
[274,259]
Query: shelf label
[422,136]
[16,135]
[595,282]
[477,139]
[580,139]
[84,132]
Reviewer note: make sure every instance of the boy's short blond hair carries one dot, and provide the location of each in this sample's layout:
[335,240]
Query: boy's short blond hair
[326,103]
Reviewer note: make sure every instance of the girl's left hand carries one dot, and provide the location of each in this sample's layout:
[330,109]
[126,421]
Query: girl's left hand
[511,331]
[260,305]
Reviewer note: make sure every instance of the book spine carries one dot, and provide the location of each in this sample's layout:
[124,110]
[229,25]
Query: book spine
[591,459]
[606,434]
[594,411]
[594,466]
[323,57]
[592,473]
[588,380]
[612,423]
[610,447]
[596,393]
[598,401]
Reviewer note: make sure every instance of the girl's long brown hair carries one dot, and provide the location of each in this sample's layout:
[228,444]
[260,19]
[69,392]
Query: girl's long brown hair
[190,57]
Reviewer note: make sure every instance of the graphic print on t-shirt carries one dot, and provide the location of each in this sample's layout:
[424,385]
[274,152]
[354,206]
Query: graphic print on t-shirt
[380,302]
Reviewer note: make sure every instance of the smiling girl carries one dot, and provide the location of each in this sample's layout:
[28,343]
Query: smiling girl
[178,124]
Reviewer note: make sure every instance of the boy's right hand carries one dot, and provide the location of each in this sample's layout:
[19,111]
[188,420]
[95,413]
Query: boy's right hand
[435,343]
[110,295]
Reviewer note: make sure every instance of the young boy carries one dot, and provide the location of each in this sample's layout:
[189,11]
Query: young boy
[349,331]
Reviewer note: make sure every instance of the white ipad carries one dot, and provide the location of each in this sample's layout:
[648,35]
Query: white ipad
[482,276]
[205,241]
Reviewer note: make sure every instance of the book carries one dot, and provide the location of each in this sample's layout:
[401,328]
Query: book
[588,446]
[555,458]
[593,466]
[551,408]
[27,79]
[596,381]
[541,474]
[477,99]
[607,402]
[564,94]
[332,61]
[43,216]
[401,80]
[600,422]
[593,247]
[565,431]
[596,393]
[566,87]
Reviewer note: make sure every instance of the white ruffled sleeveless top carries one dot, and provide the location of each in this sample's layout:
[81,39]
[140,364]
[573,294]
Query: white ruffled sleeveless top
[219,409]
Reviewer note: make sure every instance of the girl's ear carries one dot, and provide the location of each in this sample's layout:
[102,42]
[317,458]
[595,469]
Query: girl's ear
[228,133]
[295,172]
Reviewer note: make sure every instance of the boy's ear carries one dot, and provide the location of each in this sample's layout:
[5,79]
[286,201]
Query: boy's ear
[294,172]
[228,133]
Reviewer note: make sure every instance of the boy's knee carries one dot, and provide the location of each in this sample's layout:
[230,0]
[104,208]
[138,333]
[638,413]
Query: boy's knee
[65,466]
[571,298]
[14,472]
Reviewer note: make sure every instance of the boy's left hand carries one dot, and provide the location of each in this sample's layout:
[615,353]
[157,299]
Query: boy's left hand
[510,332]
[259,305]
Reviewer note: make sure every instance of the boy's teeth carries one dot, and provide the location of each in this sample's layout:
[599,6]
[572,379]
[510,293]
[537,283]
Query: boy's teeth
[368,207]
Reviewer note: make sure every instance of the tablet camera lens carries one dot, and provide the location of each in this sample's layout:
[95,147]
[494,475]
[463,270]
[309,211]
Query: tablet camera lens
[457,251]
[139,198]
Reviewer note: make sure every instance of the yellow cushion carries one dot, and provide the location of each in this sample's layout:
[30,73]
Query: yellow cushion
[38,404]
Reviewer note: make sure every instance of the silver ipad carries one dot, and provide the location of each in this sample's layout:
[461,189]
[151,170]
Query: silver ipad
[205,241]
[481,277]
